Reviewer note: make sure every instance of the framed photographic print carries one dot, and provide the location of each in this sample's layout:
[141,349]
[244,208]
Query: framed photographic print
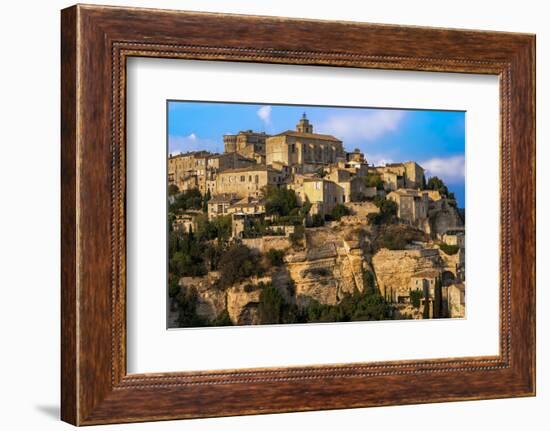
[267,215]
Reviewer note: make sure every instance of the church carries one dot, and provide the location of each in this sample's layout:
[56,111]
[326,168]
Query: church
[303,150]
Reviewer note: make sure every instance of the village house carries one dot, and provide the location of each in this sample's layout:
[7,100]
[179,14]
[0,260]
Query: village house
[185,222]
[353,187]
[412,205]
[248,205]
[454,237]
[221,162]
[402,175]
[248,181]
[219,204]
[322,194]
[188,170]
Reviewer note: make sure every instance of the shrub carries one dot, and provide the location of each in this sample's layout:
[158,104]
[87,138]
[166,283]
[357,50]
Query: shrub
[396,237]
[275,257]
[173,287]
[316,272]
[339,211]
[222,319]
[448,249]
[353,307]
[317,220]
[387,214]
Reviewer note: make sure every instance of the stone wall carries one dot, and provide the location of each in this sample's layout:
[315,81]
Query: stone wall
[265,243]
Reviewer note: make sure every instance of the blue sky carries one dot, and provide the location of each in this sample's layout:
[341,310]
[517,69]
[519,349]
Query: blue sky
[434,139]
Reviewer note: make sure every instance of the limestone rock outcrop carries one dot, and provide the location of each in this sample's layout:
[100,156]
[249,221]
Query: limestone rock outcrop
[394,268]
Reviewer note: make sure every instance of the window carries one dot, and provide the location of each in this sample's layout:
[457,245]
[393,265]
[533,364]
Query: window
[242,178]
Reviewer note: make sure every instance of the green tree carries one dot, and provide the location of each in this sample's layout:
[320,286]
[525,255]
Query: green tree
[435,183]
[173,190]
[387,214]
[280,201]
[438,299]
[271,305]
[186,302]
[206,198]
[374,180]
[237,263]
[173,287]
[368,279]
[416,297]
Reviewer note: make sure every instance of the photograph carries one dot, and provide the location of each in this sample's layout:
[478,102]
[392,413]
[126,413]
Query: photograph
[292,214]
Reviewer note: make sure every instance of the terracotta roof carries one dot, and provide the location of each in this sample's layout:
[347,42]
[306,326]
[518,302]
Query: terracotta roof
[308,135]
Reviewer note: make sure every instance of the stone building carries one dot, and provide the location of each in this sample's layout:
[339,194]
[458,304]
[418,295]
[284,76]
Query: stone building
[454,237]
[247,143]
[219,204]
[412,205]
[188,170]
[353,187]
[248,181]
[221,162]
[248,205]
[323,194]
[397,175]
[302,149]
[185,222]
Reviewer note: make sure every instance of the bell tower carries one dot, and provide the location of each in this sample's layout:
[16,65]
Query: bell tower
[303,125]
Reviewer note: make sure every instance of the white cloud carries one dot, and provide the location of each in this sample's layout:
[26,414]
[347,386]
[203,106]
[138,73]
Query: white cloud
[191,142]
[362,126]
[265,114]
[450,169]
[378,159]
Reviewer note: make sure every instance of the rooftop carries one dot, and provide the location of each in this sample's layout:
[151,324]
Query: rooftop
[308,135]
[251,168]
[201,153]
[223,198]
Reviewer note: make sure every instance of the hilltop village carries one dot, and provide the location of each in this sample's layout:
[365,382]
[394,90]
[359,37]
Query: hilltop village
[291,228]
